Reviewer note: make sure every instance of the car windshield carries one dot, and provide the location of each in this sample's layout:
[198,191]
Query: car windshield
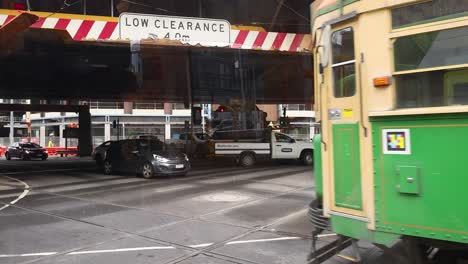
[151,145]
[29,145]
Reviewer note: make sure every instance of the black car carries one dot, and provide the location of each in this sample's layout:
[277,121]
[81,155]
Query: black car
[26,151]
[145,157]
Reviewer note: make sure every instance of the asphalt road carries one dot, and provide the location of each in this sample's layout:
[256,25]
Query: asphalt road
[66,211]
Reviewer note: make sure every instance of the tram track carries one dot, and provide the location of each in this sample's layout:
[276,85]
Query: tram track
[139,234]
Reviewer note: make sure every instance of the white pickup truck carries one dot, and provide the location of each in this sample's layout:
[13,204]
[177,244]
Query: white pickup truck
[278,146]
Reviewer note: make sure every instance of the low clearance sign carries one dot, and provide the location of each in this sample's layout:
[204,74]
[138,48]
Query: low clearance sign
[210,32]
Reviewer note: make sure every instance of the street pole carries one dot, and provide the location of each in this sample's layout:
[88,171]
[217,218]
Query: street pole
[118,128]
[11,128]
[11,125]
[200,8]
[28,123]
[112,8]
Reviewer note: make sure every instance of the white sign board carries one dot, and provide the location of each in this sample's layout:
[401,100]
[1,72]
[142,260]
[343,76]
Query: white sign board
[207,32]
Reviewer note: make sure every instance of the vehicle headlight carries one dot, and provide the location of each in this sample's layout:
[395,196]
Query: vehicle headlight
[26,151]
[159,158]
[46,152]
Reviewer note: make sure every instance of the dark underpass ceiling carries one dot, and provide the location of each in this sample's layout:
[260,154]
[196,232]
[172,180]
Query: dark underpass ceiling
[47,67]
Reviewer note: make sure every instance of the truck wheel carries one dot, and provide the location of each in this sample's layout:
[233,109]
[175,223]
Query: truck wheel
[307,158]
[247,160]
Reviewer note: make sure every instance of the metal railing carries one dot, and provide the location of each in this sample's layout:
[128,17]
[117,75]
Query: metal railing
[148,106]
[106,105]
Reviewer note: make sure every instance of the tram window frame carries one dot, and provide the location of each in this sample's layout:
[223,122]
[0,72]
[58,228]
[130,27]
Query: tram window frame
[343,61]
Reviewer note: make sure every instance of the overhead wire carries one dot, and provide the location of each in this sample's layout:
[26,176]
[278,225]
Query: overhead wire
[293,10]
[64,6]
[149,6]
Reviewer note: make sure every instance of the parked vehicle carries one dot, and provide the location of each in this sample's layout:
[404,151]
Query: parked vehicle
[26,151]
[99,153]
[195,144]
[146,158]
[274,145]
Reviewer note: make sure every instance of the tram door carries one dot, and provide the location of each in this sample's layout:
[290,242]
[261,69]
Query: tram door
[342,116]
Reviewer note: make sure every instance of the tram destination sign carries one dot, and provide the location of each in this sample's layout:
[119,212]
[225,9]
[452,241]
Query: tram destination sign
[207,32]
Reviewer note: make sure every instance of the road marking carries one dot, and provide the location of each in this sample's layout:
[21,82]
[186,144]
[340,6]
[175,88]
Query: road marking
[326,235]
[39,171]
[23,194]
[201,245]
[262,240]
[118,250]
[29,255]
[151,248]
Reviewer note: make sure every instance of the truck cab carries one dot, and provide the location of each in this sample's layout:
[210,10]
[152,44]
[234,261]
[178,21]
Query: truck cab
[286,147]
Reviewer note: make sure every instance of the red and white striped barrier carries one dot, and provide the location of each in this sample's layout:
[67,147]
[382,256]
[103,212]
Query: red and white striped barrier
[106,28]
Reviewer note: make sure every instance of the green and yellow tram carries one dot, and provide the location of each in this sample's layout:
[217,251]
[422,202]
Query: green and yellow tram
[391,89]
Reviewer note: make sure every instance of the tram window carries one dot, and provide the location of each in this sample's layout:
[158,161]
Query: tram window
[344,70]
[427,12]
[345,83]
[343,45]
[433,49]
[435,88]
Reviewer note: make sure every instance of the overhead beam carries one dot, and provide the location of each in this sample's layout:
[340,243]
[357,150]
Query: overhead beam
[42,108]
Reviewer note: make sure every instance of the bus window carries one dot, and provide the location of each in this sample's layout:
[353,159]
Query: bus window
[343,63]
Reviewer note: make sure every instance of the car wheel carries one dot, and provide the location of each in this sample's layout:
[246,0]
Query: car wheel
[44,158]
[7,156]
[308,158]
[107,167]
[147,170]
[247,160]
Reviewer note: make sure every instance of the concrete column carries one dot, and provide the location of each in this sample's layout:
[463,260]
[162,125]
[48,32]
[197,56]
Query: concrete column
[107,132]
[128,108]
[167,108]
[167,129]
[42,136]
[62,140]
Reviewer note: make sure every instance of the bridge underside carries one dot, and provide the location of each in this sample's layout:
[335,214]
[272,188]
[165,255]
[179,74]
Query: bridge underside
[48,64]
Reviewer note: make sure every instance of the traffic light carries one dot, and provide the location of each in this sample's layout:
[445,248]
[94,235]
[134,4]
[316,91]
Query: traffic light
[20,5]
[221,109]
[114,123]
[197,115]
[284,121]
